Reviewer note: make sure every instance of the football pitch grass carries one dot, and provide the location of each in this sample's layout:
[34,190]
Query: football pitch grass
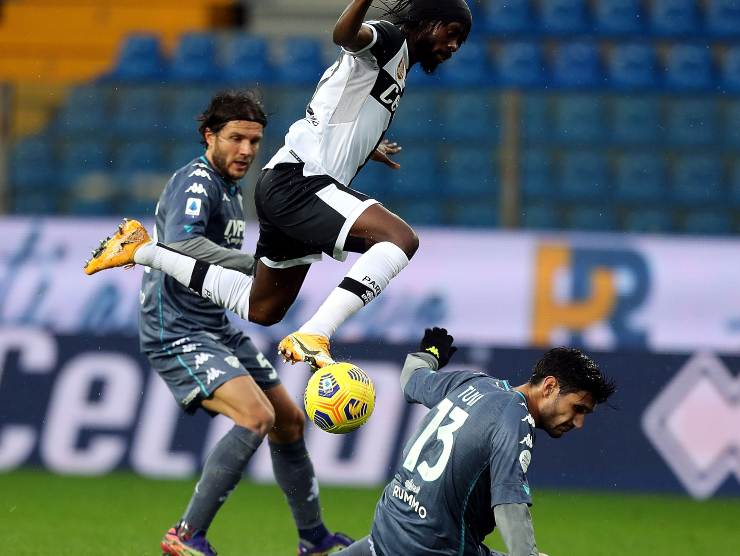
[123,514]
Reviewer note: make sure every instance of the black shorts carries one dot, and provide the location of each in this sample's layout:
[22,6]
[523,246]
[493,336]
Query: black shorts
[302,217]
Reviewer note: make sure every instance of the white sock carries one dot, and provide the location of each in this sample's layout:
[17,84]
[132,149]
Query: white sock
[225,287]
[366,279]
[229,289]
[177,265]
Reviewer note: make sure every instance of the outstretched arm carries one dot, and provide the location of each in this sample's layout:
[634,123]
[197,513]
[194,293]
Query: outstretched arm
[349,32]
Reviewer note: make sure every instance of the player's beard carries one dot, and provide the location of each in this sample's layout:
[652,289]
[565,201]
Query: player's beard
[426,55]
[222,164]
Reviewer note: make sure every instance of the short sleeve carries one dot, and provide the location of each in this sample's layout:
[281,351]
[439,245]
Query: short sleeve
[511,453]
[388,41]
[193,198]
[429,387]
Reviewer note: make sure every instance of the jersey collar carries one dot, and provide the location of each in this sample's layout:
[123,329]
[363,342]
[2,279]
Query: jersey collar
[231,186]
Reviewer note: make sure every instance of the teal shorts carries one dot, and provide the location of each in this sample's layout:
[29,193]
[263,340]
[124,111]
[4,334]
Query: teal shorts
[194,366]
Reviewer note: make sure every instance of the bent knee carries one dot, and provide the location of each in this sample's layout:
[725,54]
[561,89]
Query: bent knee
[407,241]
[266,317]
[259,417]
[289,428]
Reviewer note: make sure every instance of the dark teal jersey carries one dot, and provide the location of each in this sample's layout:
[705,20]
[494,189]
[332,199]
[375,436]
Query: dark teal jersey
[470,453]
[196,202]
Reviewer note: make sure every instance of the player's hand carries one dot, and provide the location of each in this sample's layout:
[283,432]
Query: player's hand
[382,152]
[438,343]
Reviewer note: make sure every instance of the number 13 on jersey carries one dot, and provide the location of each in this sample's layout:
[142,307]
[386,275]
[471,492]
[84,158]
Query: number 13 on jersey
[445,434]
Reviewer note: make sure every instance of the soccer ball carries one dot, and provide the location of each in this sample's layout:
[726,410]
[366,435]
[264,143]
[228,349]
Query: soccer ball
[339,398]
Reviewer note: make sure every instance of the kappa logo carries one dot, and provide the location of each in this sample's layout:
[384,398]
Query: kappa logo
[689,423]
[200,173]
[527,441]
[201,358]
[197,189]
[212,374]
[232,361]
[529,419]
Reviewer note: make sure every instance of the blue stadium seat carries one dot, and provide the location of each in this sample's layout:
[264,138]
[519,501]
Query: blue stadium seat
[419,176]
[182,152]
[674,17]
[521,64]
[537,118]
[619,17]
[185,105]
[731,120]
[139,112]
[633,66]
[640,178]
[141,157]
[597,218]
[693,122]
[139,60]
[707,222]
[247,60]
[287,106]
[697,180]
[470,115]
[636,120]
[723,18]
[80,158]
[541,216]
[731,70]
[33,202]
[417,117]
[508,17]
[85,112]
[302,61]
[648,220]
[33,165]
[469,67]
[564,17]
[580,118]
[195,59]
[584,175]
[577,65]
[422,213]
[537,181]
[735,184]
[470,172]
[475,215]
[690,67]
[373,179]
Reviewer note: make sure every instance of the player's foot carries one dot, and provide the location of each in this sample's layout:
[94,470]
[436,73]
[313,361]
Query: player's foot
[311,348]
[119,249]
[180,541]
[329,544]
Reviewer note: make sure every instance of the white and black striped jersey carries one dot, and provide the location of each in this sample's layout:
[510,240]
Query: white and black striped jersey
[351,109]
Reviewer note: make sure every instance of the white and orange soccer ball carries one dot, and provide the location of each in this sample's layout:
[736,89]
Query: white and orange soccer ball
[339,398]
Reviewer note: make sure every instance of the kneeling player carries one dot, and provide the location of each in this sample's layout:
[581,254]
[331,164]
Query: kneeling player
[464,471]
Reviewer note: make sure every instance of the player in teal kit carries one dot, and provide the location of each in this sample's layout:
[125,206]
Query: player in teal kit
[464,471]
[205,361]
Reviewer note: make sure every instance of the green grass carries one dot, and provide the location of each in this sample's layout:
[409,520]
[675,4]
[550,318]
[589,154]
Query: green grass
[122,514]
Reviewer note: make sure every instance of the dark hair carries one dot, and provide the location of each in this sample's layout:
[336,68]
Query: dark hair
[228,106]
[575,372]
[415,15]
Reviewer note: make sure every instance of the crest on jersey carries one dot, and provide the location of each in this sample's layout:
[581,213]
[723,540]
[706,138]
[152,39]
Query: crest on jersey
[401,70]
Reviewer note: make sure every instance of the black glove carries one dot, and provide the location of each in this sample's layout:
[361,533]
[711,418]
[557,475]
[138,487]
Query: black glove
[438,342]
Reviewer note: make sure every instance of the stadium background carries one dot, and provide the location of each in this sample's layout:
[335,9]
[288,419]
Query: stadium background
[574,176]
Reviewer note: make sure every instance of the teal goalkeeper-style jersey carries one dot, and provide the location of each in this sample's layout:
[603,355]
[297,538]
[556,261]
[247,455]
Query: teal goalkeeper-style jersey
[196,202]
[470,453]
